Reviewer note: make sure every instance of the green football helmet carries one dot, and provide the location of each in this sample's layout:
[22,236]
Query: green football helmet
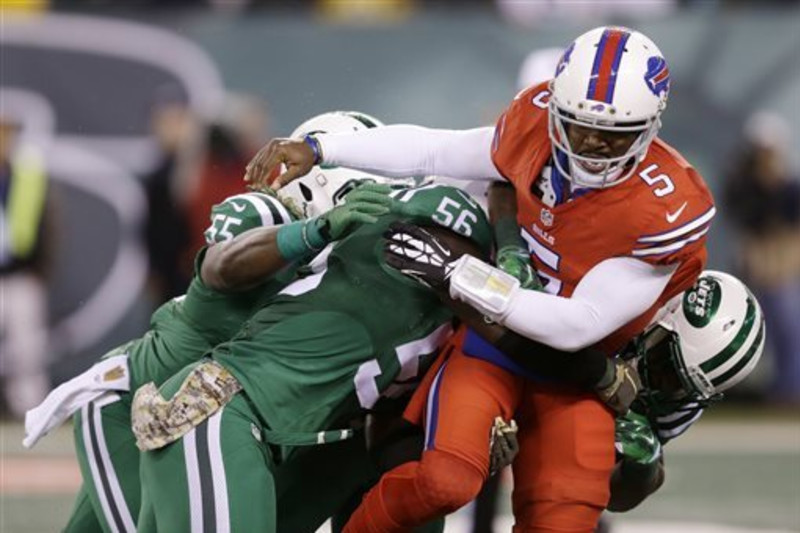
[702,343]
[237,214]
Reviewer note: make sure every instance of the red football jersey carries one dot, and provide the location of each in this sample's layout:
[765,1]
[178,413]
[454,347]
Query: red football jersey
[661,214]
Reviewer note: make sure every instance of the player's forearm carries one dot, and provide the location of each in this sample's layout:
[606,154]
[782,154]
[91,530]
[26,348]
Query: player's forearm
[610,295]
[243,262]
[583,369]
[405,150]
[502,201]
[632,483]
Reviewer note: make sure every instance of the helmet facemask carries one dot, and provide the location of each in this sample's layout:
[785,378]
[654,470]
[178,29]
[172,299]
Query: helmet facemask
[668,384]
[610,170]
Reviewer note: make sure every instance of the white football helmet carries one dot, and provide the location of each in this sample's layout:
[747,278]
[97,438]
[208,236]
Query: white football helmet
[612,79]
[324,186]
[704,342]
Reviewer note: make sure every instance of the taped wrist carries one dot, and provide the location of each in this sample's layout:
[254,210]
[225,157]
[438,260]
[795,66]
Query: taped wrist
[583,369]
[313,142]
[486,288]
[300,238]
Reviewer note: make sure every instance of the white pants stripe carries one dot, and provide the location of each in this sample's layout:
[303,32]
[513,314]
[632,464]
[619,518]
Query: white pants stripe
[218,485]
[101,455]
[193,476]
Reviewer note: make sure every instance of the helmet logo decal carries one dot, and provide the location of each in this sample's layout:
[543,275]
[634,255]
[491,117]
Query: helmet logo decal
[657,76]
[564,61]
[701,302]
[606,63]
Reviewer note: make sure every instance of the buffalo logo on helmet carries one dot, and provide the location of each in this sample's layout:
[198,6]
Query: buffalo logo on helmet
[564,61]
[657,76]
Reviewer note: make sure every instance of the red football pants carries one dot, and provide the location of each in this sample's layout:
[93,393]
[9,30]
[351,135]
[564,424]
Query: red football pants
[562,472]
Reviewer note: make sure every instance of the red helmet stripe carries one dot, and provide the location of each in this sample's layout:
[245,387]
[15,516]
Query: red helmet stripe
[606,63]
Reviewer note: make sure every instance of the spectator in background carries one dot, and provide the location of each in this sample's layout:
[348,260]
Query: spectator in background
[177,133]
[25,249]
[247,118]
[230,143]
[763,201]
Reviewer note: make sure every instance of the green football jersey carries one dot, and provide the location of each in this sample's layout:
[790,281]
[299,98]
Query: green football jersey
[352,330]
[186,327]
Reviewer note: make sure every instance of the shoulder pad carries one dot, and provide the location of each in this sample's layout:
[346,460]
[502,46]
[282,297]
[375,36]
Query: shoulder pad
[242,212]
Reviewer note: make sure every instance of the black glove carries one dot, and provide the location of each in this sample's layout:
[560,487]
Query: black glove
[418,254]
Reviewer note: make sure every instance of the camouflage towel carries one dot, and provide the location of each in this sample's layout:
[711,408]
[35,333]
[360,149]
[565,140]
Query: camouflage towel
[158,422]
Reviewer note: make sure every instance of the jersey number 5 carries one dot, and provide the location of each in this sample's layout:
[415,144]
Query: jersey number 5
[665,183]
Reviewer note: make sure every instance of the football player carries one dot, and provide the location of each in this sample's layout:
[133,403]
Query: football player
[347,333]
[615,221]
[702,343]
[705,342]
[182,330]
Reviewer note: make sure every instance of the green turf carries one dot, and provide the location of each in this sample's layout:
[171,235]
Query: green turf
[724,471]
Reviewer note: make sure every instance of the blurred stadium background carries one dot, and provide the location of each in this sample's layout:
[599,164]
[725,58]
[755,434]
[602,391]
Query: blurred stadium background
[143,112]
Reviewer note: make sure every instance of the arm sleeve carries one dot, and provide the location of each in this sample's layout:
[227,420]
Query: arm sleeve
[584,368]
[632,483]
[675,424]
[610,295]
[405,150]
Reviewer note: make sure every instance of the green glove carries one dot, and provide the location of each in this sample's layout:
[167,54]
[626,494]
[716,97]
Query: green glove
[361,206]
[635,439]
[512,255]
[516,261]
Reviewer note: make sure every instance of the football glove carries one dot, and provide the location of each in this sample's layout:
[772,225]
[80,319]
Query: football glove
[619,386]
[635,439]
[363,205]
[418,254]
[517,262]
[503,445]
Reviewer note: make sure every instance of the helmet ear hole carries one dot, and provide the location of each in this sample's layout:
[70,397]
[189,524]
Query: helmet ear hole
[306,192]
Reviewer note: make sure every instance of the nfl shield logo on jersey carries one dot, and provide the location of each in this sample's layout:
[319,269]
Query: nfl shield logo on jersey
[546,216]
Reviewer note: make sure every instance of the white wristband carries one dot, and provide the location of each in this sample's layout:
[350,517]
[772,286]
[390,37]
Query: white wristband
[484,287]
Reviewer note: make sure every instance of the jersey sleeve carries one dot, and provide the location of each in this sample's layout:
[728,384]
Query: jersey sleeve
[678,216]
[517,131]
[670,426]
[242,212]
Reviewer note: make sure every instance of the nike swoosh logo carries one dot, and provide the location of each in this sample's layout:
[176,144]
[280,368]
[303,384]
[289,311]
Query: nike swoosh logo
[239,208]
[672,217]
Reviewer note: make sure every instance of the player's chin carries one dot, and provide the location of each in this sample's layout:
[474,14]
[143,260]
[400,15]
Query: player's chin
[593,167]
